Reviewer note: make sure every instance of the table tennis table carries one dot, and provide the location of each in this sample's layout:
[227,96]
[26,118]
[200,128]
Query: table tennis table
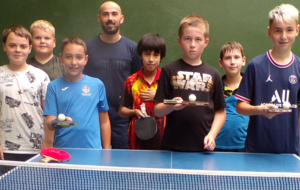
[142,169]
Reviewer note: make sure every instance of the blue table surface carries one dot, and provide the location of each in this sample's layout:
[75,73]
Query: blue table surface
[213,161]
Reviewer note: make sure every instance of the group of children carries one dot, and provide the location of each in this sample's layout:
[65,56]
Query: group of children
[269,80]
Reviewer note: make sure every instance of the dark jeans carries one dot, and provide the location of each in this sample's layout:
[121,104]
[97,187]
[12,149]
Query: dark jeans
[119,138]
[17,157]
[13,157]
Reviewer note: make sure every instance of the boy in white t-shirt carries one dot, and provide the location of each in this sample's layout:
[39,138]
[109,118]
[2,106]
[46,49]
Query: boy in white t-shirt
[22,94]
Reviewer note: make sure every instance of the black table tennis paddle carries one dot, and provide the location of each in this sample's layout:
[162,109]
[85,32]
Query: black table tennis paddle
[186,103]
[145,128]
[56,124]
[61,123]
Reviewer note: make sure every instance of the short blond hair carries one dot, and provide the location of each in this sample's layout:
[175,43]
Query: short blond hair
[195,21]
[43,25]
[284,12]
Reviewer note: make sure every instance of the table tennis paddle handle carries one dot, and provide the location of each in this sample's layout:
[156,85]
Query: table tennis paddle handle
[48,159]
[172,102]
[143,109]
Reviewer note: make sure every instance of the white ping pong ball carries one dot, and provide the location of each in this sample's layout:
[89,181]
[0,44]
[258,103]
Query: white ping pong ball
[61,117]
[192,98]
[286,105]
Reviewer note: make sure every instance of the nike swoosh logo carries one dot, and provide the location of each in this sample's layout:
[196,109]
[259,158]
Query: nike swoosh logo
[63,89]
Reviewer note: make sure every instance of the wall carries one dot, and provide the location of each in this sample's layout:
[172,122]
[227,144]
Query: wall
[245,21]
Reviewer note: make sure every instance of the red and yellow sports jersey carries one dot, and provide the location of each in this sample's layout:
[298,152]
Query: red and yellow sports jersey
[131,99]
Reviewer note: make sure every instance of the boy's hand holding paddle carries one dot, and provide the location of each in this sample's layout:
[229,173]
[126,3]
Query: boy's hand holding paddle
[268,110]
[145,127]
[63,122]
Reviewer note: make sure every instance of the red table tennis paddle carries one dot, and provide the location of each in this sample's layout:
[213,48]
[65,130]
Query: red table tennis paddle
[145,128]
[54,154]
[186,103]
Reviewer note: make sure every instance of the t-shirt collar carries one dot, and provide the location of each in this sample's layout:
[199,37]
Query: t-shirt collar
[140,74]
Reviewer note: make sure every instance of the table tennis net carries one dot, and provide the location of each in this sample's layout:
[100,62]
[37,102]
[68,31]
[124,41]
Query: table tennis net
[21,175]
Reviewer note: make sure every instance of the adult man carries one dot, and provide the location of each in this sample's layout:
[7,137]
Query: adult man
[112,58]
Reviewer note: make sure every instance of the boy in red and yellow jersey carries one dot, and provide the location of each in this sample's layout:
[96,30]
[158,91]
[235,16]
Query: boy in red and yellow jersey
[141,88]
